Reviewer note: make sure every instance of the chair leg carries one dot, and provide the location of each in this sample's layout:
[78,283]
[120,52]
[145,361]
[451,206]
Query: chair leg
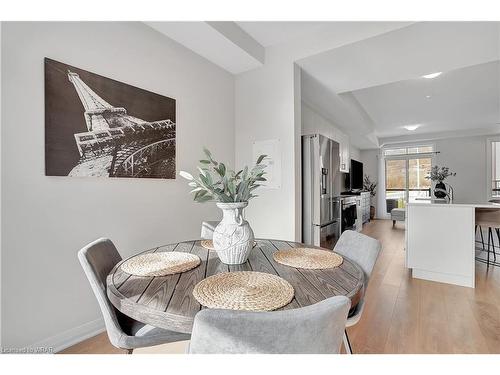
[393,222]
[494,253]
[481,233]
[347,343]
[489,235]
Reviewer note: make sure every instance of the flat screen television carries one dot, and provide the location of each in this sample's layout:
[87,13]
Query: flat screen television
[356,175]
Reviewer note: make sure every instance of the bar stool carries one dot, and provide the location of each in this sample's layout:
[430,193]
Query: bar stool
[488,218]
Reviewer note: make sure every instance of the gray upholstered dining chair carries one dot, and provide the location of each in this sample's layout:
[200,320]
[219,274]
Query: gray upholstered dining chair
[316,328]
[97,259]
[364,251]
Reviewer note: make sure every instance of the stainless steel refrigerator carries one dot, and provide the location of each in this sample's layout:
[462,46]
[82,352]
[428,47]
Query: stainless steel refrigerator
[320,200]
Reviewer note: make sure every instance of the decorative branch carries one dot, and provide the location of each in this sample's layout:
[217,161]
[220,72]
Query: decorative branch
[438,174]
[370,186]
[218,183]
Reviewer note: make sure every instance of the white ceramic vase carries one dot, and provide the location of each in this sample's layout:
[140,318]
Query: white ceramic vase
[233,238]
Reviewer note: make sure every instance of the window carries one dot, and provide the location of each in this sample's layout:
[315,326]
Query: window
[420,149]
[395,151]
[493,167]
[405,172]
[408,150]
[418,185]
[395,182]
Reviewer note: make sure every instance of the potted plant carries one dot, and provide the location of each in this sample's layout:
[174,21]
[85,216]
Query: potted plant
[370,186]
[233,237]
[438,175]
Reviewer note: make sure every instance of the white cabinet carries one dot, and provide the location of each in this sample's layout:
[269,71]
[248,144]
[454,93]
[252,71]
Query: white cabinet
[362,210]
[359,214]
[365,207]
[344,152]
[440,242]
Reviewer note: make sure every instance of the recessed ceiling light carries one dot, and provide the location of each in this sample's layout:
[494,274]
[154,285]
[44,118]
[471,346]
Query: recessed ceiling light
[428,96]
[432,75]
[411,127]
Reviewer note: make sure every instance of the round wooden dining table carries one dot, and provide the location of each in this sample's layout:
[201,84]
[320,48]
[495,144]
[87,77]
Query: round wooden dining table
[167,301]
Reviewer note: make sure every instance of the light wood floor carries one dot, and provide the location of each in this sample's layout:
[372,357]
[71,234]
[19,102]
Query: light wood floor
[405,315]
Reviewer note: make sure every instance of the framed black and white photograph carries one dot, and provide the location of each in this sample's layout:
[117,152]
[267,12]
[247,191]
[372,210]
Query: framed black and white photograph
[99,127]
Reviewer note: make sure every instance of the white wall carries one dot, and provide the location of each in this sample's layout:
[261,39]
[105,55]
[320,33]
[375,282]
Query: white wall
[46,220]
[464,155]
[315,122]
[264,109]
[354,152]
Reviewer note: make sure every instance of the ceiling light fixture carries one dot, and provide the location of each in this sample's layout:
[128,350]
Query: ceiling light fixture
[428,96]
[432,75]
[411,127]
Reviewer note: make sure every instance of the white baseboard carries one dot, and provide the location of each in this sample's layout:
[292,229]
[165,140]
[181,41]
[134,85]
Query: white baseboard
[443,277]
[72,336]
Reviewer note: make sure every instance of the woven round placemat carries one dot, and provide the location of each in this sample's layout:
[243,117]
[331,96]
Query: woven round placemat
[209,244]
[303,257]
[160,264]
[244,290]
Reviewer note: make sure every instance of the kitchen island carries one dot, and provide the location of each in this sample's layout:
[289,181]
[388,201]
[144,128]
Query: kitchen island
[440,241]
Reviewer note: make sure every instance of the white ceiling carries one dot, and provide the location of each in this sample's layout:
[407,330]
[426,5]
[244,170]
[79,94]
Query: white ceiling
[241,46]
[460,99]
[271,33]
[367,78]
[379,80]
[405,53]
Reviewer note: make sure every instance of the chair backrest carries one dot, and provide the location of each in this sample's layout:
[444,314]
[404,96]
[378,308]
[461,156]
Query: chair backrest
[360,248]
[98,259]
[316,328]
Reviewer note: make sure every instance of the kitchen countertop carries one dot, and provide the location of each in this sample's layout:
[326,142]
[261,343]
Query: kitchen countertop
[443,204]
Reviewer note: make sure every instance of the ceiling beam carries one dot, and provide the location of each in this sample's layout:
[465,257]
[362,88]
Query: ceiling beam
[223,43]
[240,38]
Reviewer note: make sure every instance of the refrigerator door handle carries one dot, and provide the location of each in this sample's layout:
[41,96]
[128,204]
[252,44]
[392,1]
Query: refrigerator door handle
[316,182]
[331,182]
[324,180]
